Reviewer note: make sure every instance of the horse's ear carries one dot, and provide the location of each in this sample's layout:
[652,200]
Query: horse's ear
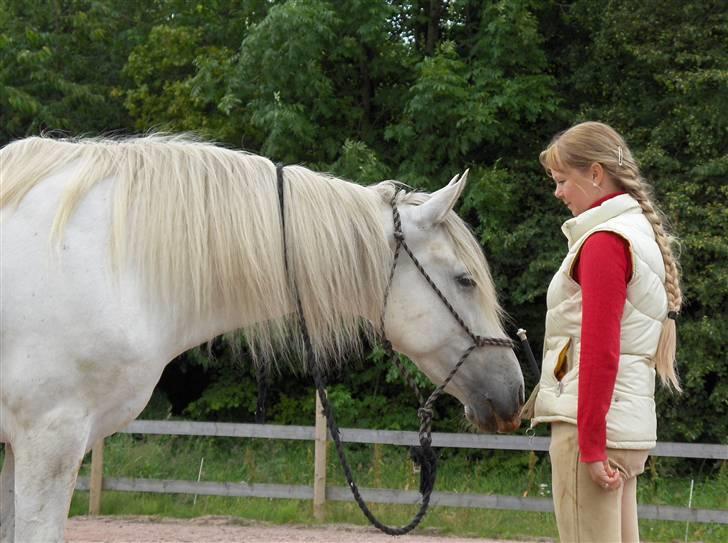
[442,201]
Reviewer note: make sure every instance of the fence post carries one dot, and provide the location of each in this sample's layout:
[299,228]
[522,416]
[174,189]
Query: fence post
[97,478]
[319,475]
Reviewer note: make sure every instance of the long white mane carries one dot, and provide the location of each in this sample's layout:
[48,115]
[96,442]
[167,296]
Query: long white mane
[201,225]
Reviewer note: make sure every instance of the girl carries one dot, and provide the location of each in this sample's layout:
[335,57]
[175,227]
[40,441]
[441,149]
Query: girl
[610,325]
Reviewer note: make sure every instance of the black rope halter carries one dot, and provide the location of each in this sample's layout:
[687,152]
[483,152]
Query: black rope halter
[428,459]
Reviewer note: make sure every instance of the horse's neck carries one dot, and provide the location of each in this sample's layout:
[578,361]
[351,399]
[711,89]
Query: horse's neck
[186,332]
[192,330]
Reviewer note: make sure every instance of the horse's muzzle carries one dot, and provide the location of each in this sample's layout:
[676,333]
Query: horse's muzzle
[487,419]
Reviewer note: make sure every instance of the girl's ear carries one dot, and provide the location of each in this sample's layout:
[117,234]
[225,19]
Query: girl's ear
[597,173]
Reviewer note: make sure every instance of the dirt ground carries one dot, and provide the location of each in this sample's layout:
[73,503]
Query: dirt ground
[223,530]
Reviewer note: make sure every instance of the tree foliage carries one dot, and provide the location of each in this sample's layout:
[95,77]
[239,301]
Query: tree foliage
[416,90]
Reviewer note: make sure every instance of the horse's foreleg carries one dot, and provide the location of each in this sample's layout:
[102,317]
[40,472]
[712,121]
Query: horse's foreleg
[46,465]
[7,497]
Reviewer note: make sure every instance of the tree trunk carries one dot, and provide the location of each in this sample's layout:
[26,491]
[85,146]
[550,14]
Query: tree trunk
[433,26]
[366,91]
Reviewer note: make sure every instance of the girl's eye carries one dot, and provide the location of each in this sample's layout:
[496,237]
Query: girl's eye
[464,280]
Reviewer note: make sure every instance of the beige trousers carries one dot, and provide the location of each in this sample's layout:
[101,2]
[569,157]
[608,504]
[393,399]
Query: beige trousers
[585,512]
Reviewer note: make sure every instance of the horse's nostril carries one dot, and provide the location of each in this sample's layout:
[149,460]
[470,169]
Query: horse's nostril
[521,394]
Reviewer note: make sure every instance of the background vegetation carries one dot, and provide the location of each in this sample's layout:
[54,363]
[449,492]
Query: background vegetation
[414,90]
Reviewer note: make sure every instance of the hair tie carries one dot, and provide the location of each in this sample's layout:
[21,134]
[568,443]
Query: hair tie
[672,315]
[619,153]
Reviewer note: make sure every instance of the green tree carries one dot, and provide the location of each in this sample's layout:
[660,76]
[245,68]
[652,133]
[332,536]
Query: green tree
[476,98]
[179,72]
[314,74]
[60,64]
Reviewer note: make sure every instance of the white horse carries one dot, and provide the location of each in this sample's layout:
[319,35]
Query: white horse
[117,256]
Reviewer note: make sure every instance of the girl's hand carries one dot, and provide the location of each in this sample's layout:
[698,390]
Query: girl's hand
[604,475]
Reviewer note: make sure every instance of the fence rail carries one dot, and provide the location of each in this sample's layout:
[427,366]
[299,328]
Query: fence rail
[392,437]
[320,492]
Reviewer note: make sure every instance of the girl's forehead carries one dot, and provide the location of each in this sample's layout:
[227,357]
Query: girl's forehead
[554,173]
[562,170]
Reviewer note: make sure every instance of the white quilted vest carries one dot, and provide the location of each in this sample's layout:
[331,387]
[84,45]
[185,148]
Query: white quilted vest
[631,420]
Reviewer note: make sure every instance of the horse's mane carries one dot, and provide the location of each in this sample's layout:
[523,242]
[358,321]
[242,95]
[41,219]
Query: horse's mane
[202,225]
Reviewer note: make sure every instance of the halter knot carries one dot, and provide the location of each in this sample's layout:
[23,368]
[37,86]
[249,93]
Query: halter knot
[425,414]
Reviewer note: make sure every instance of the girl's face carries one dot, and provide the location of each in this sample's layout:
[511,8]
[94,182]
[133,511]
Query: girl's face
[575,189]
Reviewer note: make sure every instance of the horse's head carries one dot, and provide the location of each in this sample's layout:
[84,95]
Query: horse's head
[489,383]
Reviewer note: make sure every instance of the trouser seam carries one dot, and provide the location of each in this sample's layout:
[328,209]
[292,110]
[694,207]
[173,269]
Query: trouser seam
[576,498]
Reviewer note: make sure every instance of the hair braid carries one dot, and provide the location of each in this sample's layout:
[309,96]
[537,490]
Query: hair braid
[640,190]
[637,188]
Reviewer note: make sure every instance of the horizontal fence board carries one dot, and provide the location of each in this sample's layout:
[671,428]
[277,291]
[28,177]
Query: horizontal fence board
[691,450]
[385,496]
[219,429]
[515,503]
[442,439]
[445,499]
[203,488]
[391,437]
[668,512]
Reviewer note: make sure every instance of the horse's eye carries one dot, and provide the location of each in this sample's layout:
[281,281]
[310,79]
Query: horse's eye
[464,280]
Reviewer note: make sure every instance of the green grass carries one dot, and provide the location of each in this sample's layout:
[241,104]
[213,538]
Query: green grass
[291,462]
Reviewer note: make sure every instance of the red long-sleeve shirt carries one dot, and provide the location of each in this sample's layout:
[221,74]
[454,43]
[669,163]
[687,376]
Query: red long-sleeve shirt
[603,269]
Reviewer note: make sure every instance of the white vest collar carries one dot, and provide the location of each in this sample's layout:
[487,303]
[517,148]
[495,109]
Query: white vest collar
[575,228]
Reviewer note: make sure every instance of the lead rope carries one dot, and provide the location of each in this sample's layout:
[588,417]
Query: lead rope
[427,473]
[428,459]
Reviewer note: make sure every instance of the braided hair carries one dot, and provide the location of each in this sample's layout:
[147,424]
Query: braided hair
[591,142]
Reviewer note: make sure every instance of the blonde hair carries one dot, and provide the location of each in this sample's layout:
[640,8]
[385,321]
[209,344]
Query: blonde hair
[591,142]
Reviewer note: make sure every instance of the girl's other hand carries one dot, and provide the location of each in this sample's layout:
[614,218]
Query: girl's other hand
[604,475]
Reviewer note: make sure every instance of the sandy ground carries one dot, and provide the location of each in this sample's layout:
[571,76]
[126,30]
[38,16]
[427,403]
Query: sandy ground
[219,530]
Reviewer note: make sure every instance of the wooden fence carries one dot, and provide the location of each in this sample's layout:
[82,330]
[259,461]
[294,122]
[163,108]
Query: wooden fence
[320,492]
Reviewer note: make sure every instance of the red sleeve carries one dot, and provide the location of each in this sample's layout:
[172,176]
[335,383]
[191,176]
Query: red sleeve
[603,269]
